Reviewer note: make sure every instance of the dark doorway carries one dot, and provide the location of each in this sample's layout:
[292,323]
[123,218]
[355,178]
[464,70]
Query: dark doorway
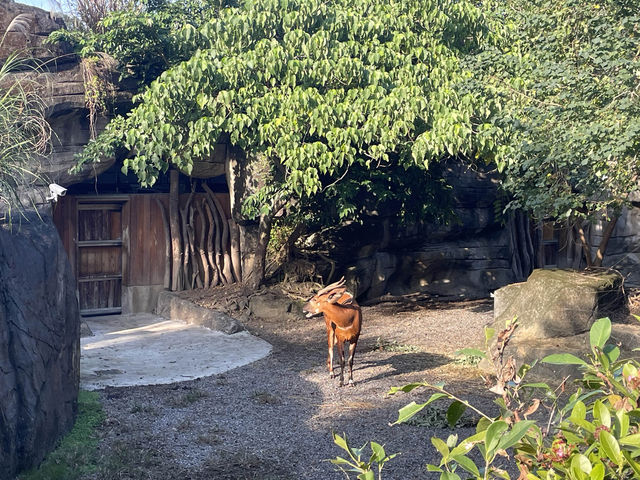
[99,258]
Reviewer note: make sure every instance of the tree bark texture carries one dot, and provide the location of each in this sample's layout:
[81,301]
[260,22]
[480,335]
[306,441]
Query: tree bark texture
[236,263]
[202,246]
[174,223]
[184,218]
[167,245]
[606,236]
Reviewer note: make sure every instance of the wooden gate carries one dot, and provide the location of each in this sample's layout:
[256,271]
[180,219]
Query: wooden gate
[99,257]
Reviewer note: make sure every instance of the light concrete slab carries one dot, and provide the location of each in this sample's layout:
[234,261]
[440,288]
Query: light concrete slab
[145,349]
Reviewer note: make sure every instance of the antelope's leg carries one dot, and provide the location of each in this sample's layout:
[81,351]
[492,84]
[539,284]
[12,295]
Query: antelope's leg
[331,341]
[352,352]
[341,356]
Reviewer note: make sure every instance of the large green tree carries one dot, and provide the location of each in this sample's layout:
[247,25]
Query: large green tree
[569,79]
[310,91]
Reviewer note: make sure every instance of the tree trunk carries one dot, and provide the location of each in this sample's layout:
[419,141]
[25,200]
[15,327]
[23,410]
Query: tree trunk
[174,223]
[196,281]
[606,236]
[201,248]
[167,245]
[253,245]
[586,246]
[215,277]
[184,217]
[226,263]
[235,250]
[218,239]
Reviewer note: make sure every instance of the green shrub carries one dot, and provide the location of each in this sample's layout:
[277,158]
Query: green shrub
[592,434]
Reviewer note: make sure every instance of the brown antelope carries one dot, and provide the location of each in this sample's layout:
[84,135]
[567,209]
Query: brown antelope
[343,319]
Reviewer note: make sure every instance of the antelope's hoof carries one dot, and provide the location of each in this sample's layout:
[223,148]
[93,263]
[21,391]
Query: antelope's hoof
[351,383]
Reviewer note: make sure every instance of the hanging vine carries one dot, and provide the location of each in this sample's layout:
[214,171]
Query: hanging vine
[99,88]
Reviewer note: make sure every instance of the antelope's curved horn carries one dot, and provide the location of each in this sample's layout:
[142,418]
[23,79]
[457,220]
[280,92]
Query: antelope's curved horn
[328,288]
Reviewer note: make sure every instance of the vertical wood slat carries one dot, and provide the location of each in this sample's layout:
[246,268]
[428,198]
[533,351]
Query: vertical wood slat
[145,258]
[126,242]
[147,238]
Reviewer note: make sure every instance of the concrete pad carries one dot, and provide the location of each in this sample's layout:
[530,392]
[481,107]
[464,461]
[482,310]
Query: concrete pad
[144,349]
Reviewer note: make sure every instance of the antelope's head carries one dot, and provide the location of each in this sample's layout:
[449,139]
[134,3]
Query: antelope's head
[334,293]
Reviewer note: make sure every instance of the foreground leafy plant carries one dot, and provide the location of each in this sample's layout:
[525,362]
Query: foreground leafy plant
[355,463]
[594,434]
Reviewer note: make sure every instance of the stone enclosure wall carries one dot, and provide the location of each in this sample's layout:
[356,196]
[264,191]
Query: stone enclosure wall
[39,343]
[39,319]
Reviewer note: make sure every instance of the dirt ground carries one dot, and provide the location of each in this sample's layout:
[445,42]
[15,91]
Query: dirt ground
[273,419]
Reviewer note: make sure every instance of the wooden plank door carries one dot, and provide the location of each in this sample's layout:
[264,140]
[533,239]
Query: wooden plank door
[99,258]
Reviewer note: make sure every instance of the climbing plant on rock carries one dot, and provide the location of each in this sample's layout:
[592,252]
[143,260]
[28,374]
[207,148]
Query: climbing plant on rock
[309,90]
[570,76]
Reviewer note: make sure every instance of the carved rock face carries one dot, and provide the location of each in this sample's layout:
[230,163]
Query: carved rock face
[36,26]
[39,343]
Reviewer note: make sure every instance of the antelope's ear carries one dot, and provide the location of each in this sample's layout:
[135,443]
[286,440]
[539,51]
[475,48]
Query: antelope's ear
[334,297]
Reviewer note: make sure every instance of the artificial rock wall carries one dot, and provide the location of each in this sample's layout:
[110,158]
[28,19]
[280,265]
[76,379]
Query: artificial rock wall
[39,318]
[39,343]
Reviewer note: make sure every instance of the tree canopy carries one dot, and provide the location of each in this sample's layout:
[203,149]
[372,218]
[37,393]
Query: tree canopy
[316,89]
[570,80]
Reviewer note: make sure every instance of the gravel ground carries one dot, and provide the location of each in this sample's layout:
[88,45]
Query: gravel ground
[273,419]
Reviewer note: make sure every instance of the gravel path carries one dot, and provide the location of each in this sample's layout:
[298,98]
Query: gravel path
[273,419]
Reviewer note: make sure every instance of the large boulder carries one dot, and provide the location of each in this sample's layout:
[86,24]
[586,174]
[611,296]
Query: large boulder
[558,303]
[39,343]
[555,310]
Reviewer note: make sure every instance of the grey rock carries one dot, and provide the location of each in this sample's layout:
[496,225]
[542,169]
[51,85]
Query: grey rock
[172,307]
[39,343]
[558,303]
[40,24]
[269,305]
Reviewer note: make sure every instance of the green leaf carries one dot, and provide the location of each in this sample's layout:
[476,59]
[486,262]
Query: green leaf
[433,468]
[488,334]
[493,436]
[580,465]
[378,452]
[449,476]
[633,440]
[579,411]
[466,445]
[518,430]
[600,333]
[612,352]
[454,412]
[542,385]
[467,464]
[602,413]
[406,388]
[609,445]
[471,352]
[631,461]
[563,359]
[598,471]
[408,411]
[368,475]
[442,448]
[452,440]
